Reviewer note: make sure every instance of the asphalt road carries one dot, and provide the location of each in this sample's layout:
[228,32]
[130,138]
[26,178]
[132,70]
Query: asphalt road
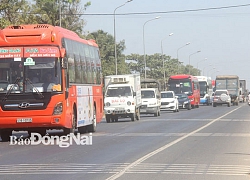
[203,143]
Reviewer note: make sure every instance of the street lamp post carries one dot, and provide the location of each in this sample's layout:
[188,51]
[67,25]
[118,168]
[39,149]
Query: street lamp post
[144,57]
[210,70]
[178,55]
[198,63]
[214,73]
[201,61]
[163,63]
[189,60]
[204,69]
[180,48]
[115,35]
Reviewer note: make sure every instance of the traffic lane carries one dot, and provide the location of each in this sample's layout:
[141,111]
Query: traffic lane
[206,154]
[127,143]
[127,140]
[205,112]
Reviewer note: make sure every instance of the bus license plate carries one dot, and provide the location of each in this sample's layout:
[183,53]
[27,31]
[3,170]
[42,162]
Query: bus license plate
[23,120]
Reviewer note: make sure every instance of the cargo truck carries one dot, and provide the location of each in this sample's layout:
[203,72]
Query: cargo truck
[122,97]
[230,83]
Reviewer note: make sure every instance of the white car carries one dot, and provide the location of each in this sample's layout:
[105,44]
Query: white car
[169,101]
[151,101]
[221,97]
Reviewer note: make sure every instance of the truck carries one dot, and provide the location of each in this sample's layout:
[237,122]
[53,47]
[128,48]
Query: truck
[206,89]
[122,98]
[230,83]
[151,97]
[243,91]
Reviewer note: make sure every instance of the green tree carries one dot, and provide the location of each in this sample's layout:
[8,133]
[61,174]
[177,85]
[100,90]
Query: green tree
[136,63]
[70,16]
[106,46]
[14,12]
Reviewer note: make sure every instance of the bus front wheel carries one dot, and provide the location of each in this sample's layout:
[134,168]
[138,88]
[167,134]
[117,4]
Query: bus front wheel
[73,122]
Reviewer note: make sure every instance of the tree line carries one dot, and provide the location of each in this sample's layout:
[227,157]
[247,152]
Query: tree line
[68,14]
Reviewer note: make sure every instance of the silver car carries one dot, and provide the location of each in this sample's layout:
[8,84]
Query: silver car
[221,97]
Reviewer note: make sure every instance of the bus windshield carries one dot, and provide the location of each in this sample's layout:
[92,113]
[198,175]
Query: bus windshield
[21,75]
[203,88]
[180,86]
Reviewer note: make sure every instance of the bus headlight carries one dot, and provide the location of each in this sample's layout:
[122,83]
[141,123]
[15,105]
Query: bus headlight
[58,109]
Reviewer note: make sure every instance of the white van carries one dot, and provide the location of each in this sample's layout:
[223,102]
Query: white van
[151,101]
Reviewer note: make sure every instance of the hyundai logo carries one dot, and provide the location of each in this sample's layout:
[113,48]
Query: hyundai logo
[24,105]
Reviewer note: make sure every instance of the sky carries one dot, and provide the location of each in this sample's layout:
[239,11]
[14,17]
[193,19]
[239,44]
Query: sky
[222,35]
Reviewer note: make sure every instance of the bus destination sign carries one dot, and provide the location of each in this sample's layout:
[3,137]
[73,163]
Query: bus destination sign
[42,51]
[11,52]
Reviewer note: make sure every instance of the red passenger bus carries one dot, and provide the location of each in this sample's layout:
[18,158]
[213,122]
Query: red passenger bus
[186,84]
[50,78]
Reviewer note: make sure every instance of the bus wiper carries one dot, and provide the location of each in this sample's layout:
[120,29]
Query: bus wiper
[35,88]
[11,88]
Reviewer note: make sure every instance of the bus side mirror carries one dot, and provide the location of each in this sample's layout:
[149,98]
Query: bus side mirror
[63,52]
[64,63]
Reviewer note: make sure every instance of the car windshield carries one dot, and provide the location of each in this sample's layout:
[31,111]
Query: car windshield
[218,93]
[167,95]
[147,94]
[181,96]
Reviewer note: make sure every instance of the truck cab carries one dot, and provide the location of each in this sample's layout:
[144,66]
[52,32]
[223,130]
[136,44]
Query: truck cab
[122,97]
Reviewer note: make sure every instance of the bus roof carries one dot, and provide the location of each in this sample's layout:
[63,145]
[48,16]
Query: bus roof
[182,76]
[203,78]
[38,34]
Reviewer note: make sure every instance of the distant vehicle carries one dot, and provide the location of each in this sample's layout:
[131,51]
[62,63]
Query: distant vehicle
[169,101]
[221,97]
[212,98]
[206,89]
[248,100]
[122,97]
[151,101]
[186,84]
[230,83]
[183,101]
[243,91]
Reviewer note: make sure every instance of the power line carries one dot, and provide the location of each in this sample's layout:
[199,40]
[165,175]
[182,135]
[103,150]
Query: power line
[168,12]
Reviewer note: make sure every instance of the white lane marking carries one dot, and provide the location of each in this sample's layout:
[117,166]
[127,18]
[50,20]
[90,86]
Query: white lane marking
[178,134]
[142,168]
[147,156]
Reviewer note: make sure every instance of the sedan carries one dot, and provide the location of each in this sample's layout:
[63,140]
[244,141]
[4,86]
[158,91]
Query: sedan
[184,101]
